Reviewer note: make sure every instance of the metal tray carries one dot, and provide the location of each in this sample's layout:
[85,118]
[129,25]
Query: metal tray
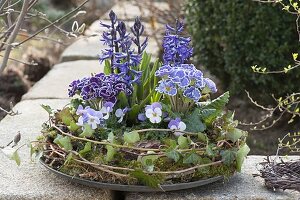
[133,188]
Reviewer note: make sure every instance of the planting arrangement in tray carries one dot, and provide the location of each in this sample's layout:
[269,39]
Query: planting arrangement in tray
[140,122]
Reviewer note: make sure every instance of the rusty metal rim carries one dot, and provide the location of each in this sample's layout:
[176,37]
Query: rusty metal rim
[133,188]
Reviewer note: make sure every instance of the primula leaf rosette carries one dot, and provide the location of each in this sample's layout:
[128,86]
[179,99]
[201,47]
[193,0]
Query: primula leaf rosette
[140,122]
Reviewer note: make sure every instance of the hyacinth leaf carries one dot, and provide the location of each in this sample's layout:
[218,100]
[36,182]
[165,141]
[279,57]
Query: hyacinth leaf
[111,151]
[64,142]
[107,67]
[150,77]
[146,179]
[144,66]
[228,156]
[240,157]
[194,123]
[133,113]
[47,108]
[235,134]
[87,131]
[212,110]
[87,148]
[131,137]
[122,100]
[173,154]
[192,158]
[183,142]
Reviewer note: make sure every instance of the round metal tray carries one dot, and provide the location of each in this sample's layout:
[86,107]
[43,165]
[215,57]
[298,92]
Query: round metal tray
[133,188]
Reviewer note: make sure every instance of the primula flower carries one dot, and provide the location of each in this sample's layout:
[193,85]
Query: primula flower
[177,124]
[154,112]
[120,113]
[192,93]
[167,87]
[211,85]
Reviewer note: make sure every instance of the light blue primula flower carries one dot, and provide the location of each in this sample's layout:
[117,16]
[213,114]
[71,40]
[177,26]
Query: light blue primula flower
[167,87]
[179,78]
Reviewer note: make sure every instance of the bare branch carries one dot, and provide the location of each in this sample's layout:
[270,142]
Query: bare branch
[13,36]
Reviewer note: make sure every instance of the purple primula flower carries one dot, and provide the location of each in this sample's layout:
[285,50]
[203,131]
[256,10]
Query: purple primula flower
[211,85]
[154,112]
[142,117]
[102,86]
[177,124]
[192,93]
[167,87]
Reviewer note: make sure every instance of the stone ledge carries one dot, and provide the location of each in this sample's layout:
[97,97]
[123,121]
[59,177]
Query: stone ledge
[240,186]
[85,48]
[29,180]
[55,84]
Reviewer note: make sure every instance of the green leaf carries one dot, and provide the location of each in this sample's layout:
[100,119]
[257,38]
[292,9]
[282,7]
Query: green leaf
[107,67]
[131,137]
[170,143]
[66,116]
[209,151]
[148,162]
[122,100]
[213,109]
[173,154]
[68,158]
[202,137]
[133,113]
[111,137]
[16,158]
[183,142]
[12,154]
[192,158]
[47,108]
[64,142]
[235,134]
[73,126]
[228,156]
[87,148]
[240,157]
[87,131]
[111,151]
[193,122]
[146,179]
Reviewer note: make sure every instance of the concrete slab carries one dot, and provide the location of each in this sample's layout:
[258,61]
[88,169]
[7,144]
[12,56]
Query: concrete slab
[129,10]
[55,84]
[241,186]
[85,48]
[31,180]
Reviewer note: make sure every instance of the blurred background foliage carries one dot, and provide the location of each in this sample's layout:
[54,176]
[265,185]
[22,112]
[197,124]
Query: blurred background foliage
[231,36]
